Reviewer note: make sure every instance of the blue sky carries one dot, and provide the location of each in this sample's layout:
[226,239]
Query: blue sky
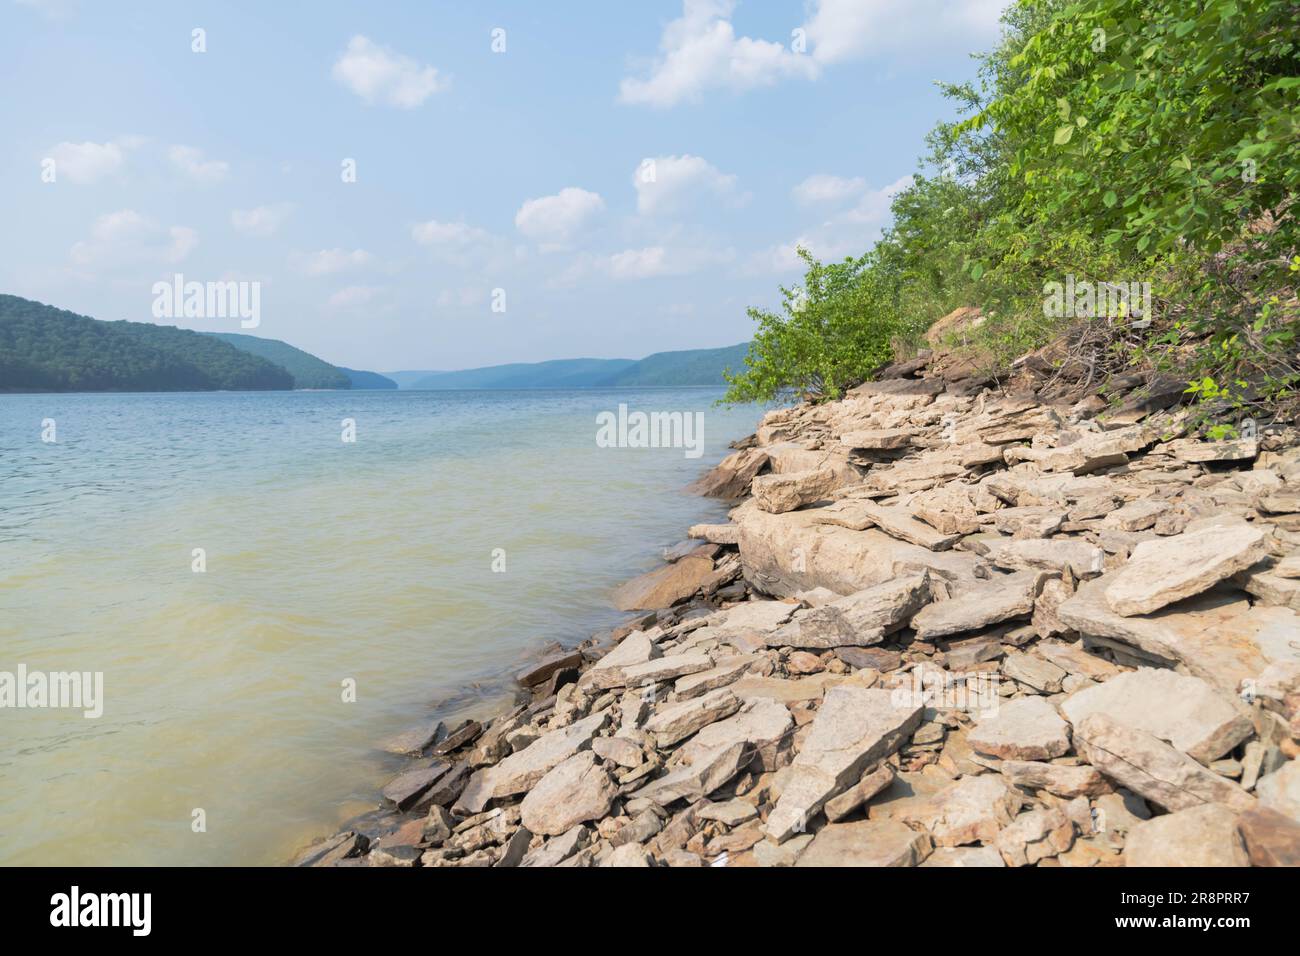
[632,175]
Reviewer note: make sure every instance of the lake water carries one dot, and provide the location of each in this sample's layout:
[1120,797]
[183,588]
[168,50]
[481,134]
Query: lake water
[326,561]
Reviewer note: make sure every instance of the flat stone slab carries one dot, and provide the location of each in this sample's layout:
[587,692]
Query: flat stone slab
[676,722]
[1181,710]
[572,792]
[1028,728]
[1002,598]
[541,672]
[698,779]
[898,522]
[763,724]
[878,439]
[970,810]
[1082,559]
[1060,779]
[669,667]
[1217,636]
[1170,569]
[1198,836]
[854,728]
[522,770]
[1152,768]
[866,843]
[1272,838]
[861,619]
[726,671]
[664,586]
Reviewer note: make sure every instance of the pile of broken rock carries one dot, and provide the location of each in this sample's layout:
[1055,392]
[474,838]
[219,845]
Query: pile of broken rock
[942,629]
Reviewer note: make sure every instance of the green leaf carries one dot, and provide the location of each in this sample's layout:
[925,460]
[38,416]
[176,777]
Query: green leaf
[1063,134]
[1110,198]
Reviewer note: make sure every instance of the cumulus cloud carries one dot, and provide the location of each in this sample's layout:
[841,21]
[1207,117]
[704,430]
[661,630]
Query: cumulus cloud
[191,162]
[352,296]
[700,50]
[849,231]
[647,262]
[84,163]
[380,76]
[669,184]
[329,261]
[260,220]
[127,237]
[435,233]
[824,188]
[556,220]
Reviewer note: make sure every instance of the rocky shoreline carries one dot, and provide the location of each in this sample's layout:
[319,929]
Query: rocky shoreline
[946,625]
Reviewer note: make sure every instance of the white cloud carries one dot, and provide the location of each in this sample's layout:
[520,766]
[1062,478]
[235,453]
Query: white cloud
[647,262]
[354,295]
[849,232]
[700,51]
[87,162]
[435,233]
[556,220]
[841,30]
[669,184]
[260,220]
[379,75]
[821,187]
[190,161]
[330,261]
[126,237]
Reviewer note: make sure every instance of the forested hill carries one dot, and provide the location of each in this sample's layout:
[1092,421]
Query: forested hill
[307,370]
[703,367]
[44,349]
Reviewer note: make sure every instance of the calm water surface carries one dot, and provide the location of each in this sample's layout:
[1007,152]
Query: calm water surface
[326,561]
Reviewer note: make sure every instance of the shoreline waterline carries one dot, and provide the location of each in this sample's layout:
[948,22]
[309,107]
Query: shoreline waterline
[324,562]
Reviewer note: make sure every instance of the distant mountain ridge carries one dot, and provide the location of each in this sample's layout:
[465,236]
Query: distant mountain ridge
[689,367]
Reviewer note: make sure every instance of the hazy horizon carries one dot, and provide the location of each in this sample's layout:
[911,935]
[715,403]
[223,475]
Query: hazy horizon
[629,180]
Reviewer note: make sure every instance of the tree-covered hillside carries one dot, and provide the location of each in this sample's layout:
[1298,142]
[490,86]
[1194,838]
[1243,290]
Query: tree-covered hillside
[689,367]
[1147,143]
[307,370]
[363,379]
[44,349]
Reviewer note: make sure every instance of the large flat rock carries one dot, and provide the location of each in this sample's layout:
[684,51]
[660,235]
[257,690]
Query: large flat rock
[572,792]
[866,843]
[521,771]
[1163,571]
[1028,728]
[788,553]
[1182,710]
[861,619]
[1001,598]
[664,586]
[1152,768]
[854,728]
[1198,836]
[763,724]
[970,810]
[1218,636]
